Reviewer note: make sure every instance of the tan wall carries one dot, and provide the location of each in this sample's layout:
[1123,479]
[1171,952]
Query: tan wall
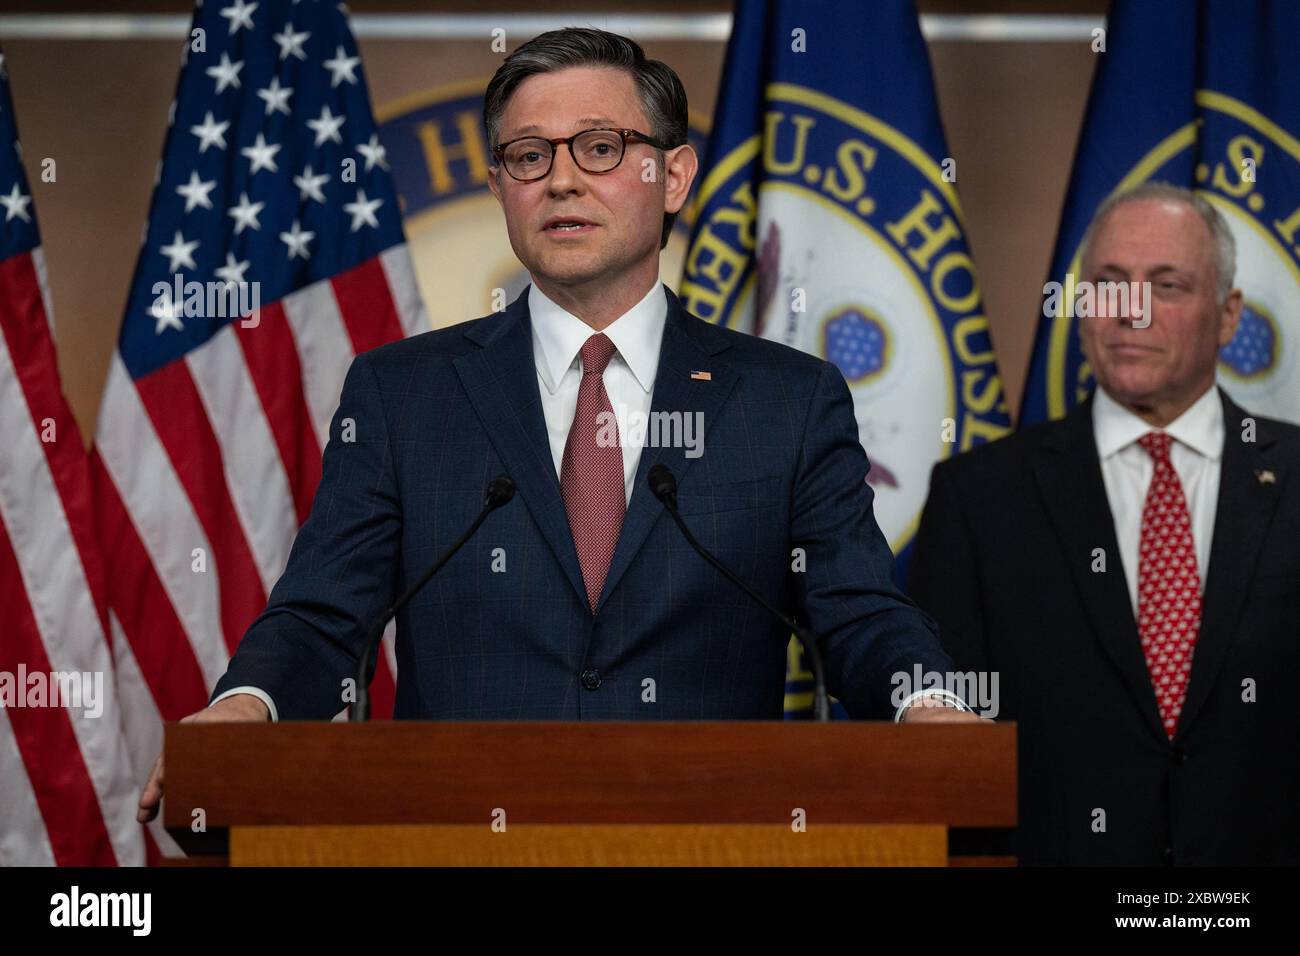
[1011,110]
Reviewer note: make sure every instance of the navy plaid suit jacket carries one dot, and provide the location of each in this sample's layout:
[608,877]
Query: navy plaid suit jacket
[504,630]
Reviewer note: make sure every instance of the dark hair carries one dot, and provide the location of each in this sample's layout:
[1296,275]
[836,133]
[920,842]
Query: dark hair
[660,90]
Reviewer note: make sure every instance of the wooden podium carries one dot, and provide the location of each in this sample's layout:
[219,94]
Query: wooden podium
[586,794]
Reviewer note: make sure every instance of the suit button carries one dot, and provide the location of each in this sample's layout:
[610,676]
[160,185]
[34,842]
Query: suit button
[591,678]
[1180,756]
[1169,856]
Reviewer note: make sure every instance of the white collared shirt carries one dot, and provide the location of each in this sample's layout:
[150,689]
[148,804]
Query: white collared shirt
[1196,453]
[558,337]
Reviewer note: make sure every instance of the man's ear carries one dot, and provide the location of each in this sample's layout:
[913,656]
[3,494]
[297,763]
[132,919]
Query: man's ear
[494,183]
[1229,317]
[680,166]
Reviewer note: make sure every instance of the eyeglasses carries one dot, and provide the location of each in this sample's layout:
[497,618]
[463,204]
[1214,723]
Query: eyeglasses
[594,150]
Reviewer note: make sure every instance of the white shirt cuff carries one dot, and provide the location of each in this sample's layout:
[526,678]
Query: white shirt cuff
[947,696]
[257,692]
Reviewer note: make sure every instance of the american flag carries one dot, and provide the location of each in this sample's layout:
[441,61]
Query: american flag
[273,187]
[67,791]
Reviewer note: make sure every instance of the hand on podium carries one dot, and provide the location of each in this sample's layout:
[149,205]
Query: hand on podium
[240,708]
[927,711]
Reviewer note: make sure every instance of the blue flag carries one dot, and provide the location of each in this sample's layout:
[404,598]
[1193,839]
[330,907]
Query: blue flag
[1206,96]
[828,219]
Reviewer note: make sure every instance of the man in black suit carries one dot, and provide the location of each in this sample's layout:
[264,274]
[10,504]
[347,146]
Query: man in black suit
[1132,573]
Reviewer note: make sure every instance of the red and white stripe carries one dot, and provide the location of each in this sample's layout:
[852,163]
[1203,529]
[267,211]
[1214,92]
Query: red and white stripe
[67,788]
[212,463]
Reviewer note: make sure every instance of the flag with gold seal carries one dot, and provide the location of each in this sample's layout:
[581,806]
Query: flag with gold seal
[1203,94]
[828,219]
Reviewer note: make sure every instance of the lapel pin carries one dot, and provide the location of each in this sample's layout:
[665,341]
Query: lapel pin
[701,376]
[1265,477]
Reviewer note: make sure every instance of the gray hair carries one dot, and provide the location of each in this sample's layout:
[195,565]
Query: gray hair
[1225,247]
[659,89]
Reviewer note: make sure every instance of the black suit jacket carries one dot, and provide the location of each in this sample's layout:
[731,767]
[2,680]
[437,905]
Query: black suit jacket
[1004,561]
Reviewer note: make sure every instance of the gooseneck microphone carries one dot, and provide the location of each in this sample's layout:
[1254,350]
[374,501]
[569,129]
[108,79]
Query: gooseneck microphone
[499,491]
[664,487]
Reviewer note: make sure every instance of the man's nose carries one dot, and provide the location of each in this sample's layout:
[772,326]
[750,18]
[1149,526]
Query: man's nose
[1140,304]
[565,173]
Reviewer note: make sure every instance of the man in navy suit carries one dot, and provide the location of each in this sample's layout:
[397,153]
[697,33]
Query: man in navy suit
[581,600]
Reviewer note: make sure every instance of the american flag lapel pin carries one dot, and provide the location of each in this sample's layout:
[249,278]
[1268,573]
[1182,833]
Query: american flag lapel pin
[1265,477]
[701,376]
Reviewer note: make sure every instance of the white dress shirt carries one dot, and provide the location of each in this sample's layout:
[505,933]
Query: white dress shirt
[1196,453]
[558,337]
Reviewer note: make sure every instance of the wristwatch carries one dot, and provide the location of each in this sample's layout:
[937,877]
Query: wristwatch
[943,697]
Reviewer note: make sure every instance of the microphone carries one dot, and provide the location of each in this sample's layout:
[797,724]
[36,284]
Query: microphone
[664,487]
[499,491]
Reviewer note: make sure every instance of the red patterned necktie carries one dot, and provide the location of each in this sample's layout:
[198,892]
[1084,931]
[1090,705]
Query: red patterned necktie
[1169,587]
[591,474]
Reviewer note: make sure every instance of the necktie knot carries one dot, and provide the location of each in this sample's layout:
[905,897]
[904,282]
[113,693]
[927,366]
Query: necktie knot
[596,353]
[1156,444]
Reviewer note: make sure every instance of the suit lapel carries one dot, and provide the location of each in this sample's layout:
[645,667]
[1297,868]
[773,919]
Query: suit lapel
[1068,471]
[1242,516]
[500,379]
[689,345]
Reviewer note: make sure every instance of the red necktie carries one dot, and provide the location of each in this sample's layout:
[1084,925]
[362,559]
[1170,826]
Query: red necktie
[591,474]
[1169,587]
